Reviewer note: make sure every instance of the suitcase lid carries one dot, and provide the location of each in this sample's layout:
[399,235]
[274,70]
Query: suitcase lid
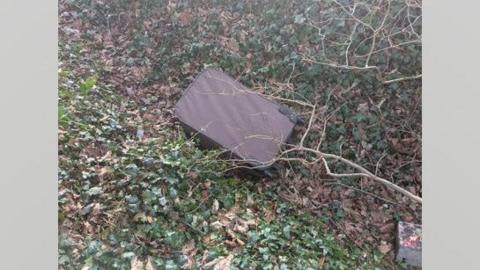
[233,116]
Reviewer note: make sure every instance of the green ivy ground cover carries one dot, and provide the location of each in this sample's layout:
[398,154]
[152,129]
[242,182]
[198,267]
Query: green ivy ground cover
[133,192]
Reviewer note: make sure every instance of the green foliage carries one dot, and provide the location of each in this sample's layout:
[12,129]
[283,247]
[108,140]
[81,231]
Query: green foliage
[155,191]
[86,85]
[123,197]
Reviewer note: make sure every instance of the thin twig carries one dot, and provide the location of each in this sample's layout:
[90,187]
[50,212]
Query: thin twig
[378,162]
[403,79]
[312,116]
[320,156]
[362,191]
[350,43]
[370,175]
[374,37]
[335,65]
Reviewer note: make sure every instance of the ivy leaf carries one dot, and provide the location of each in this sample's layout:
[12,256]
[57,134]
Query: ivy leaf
[299,19]
[286,231]
[132,169]
[86,85]
[94,191]
[128,255]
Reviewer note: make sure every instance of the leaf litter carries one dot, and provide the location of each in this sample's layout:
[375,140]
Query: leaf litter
[123,66]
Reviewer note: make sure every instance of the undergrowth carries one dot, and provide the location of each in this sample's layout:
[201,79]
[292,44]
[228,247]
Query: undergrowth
[134,192]
[124,199]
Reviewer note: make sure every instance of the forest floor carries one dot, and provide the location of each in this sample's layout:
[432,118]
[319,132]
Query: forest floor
[134,193]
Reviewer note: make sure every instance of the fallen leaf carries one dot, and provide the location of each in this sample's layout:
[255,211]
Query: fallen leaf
[130,91]
[102,172]
[231,234]
[385,247]
[216,224]
[185,18]
[389,227]
[96,209]
[221,263]
[150,219]
[240,227]
[189,251]
[230,44]
[215,206]
[250,200]
[407,217]
[149,265]
[363,107]
[240,242]
[230,243]
[321,261]
[136,264]
[268,215]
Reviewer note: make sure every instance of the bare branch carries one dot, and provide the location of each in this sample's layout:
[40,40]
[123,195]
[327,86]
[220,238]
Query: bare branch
[312,116]
[362,191]
[335,65]
[374,37]
[354,17]
[320,156]
[403,79]
[350,43]
[374,177]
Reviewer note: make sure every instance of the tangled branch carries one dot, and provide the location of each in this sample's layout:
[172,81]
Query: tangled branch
[319,157]
[363,36]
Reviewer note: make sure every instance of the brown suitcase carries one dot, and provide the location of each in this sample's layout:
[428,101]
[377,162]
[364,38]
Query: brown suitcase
[224,113]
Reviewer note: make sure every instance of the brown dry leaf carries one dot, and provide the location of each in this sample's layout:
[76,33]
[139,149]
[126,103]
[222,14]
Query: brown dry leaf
[139,72]
[233,46]
[225,220]
[363,107]
[385,247]
[268,215]
[389,227]
[243,35]
[221,263]
[136,264]
[240,242]
[228,217]
[377,216]
[150,219]
[230,243]
[250,201]
[215,206]
[231,234]
[96,209]
[92,151]
[149,265]
[189,251]
[185,18]
[189,247]
[350,227]
[139,217]
[171,5]
[88,227]
[321,261]
[216,224]
[242,225]
[230,44]
[408,217]
[234,238]
[241,228]
[206,240]
[102,173]
[204,258]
